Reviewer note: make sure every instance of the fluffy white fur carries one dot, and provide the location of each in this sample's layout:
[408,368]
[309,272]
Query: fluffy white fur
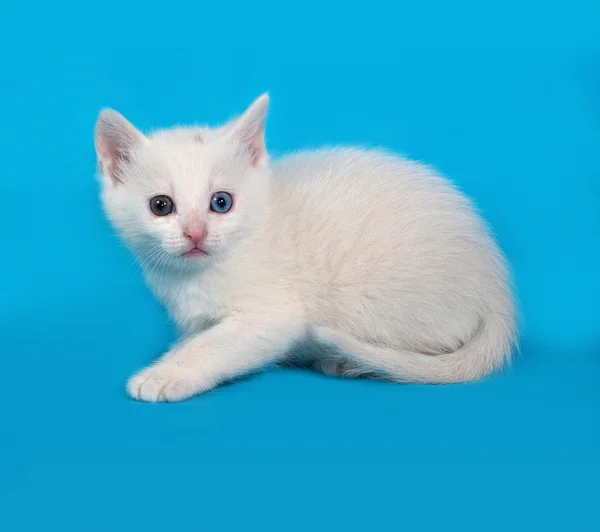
[375,262]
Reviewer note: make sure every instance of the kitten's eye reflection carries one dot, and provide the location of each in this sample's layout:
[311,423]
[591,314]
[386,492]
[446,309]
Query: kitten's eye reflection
[162,205]
[221,202]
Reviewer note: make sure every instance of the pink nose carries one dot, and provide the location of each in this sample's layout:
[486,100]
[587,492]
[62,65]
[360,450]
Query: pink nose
[197,234]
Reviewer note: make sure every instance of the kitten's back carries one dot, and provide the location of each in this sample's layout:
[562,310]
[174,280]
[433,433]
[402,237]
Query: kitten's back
[378,239]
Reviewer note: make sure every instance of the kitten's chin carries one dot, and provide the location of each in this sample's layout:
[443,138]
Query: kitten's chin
[194,254]
[194,259]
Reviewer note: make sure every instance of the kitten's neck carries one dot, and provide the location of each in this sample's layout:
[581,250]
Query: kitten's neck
[193,297]
[158,272]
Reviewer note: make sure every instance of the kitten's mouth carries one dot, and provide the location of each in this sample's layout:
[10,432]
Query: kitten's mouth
[195,253]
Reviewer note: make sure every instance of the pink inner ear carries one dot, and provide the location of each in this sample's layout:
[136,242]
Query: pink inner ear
[115,138]
[109,156]
[250,131]
[102,149]
[103,167]
[104,155]
[257,147]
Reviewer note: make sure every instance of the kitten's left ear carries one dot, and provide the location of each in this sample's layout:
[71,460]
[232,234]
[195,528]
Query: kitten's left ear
[249,130]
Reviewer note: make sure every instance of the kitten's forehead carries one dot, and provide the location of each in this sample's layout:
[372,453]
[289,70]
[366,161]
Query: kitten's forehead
[189,164]
[187,151]
[181,134]
[182,162]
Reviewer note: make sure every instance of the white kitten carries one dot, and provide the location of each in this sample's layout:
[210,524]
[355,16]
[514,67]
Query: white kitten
[376,262]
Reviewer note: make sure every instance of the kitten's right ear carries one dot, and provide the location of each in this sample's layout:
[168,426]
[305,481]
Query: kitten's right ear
[115,139]
[249,130]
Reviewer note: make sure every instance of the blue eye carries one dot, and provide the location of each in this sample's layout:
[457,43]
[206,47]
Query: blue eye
[221,202]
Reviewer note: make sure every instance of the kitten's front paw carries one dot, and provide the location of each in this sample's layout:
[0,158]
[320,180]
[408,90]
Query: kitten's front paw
[163,382]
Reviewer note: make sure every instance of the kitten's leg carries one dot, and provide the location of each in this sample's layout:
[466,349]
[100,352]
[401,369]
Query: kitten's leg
[230,348]
[330,367]
[354,358]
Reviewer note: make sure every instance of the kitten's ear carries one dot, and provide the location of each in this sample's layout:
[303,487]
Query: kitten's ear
[249,130]
[115,139]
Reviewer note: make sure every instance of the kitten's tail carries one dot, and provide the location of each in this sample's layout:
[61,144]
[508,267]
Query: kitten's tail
[488,349]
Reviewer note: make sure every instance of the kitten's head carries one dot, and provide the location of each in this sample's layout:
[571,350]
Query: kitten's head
[184,196]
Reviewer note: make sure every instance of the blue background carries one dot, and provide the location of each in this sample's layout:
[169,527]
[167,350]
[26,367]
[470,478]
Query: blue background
[502,97]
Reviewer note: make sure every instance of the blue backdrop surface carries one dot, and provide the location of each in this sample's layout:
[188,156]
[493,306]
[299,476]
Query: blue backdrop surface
[502,97]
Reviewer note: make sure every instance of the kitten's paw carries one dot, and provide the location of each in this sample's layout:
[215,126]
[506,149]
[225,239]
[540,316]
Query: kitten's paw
[163,382]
